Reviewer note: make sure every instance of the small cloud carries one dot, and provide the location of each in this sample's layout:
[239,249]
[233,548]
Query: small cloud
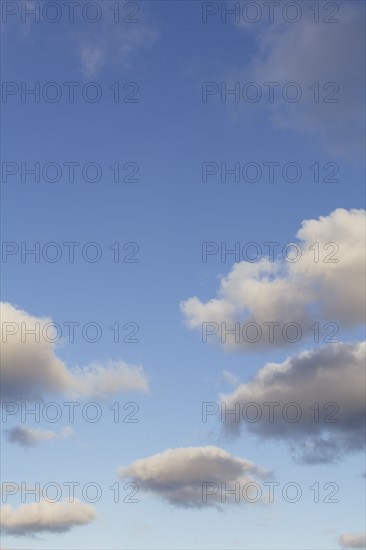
[230,378]
[98,380]
[28,437]
[92,59]
[352,540]
[105,45]
[52,517]
[180,475]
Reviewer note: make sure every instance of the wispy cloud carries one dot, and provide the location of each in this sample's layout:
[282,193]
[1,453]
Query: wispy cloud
[28,437]
[306,53]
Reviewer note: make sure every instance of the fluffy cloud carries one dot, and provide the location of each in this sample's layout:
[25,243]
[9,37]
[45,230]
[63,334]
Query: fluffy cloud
[30,368]
[28,437]
[353,540]
[332,374]
[312,288]
[304,53]
[178,475]
[44,516]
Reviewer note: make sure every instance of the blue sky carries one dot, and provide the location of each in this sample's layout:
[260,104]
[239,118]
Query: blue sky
[167,138]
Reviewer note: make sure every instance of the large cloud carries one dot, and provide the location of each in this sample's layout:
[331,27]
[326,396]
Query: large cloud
[177,475]
[353,540]
[30,368]
[308,290]
[305,52]
[38,517]
[28,437]
[332,374]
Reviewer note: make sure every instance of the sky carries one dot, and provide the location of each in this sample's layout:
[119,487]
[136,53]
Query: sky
[183,261]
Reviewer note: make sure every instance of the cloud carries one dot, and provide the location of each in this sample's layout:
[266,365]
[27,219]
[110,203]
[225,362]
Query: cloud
[101,38]
[305,52]
[28,437]
[54,517]
[331,374]
[30,368]
[353,540]
[177,475]
[276,290]
[104,380]
[106,45]
[230,378]
[92,59]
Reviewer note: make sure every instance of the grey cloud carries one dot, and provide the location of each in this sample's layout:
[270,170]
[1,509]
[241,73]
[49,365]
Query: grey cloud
[177,475]
[39,517]
[30,368]
[332,376]
[305,53]
[28,437]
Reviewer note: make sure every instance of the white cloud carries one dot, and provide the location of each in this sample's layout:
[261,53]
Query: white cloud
[107,45]
[56,517]
[293,292]
[230,378]
[306,52]
[332,374]
[353,540]
[30,368]
[115,38]
[177,475]
[92,59]
[107,379]
[27,437]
